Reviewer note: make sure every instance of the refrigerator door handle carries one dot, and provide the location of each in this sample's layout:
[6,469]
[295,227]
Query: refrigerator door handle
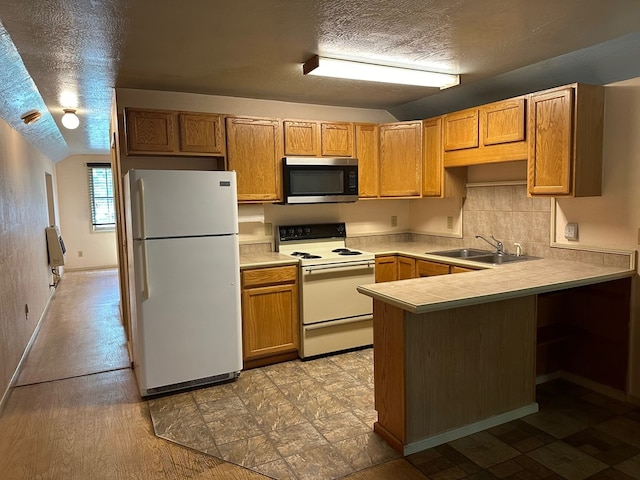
[143,228]
[145,271]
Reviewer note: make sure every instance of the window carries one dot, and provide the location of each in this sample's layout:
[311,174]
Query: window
[103,213]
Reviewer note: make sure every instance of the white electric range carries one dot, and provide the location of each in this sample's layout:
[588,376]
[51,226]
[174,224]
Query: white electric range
[334,316]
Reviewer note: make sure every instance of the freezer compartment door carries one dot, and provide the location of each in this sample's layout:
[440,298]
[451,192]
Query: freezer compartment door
[188,310]
[182,203]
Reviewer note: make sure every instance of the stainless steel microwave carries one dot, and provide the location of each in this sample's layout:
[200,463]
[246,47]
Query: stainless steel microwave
[319,180]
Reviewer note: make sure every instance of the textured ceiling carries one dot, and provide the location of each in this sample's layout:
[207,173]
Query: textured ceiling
[254,48]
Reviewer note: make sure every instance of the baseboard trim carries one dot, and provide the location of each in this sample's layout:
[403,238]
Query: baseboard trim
[456,433]
[83,269]
[585,382]
[27,349]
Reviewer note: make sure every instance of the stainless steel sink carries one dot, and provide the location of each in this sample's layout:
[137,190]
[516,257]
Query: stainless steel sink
[461,253]
[500,258]
[482,256]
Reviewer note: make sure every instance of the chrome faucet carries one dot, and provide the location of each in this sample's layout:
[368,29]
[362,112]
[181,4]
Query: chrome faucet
[498,245]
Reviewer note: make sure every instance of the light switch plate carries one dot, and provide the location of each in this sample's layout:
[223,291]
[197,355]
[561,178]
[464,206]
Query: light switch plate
[571,231]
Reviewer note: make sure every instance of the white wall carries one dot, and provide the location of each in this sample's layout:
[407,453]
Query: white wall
[24,271]
[98,248]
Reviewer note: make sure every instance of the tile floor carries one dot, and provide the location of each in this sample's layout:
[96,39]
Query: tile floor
[293,420]
[313,420]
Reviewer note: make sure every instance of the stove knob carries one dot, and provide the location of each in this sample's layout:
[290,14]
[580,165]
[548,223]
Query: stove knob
[299,231]
[307,230]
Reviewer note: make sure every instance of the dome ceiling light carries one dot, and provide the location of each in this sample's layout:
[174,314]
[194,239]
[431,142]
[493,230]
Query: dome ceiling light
[70,119]
[31,117]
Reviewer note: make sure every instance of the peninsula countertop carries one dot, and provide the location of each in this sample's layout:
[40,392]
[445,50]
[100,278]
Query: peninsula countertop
[421,295]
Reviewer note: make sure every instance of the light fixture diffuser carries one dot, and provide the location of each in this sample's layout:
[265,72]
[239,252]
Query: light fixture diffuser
[70,120]
[332,67]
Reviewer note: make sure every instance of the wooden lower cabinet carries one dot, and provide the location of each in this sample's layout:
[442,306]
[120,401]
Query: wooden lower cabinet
[406,267]
[425,268]
[400,267]
[270,315]
[386,268]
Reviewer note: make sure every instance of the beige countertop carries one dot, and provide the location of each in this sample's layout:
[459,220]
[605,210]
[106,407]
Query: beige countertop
[265,259]
[490,283]
[420,295]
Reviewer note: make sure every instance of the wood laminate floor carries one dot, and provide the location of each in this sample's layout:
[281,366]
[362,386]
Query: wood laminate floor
[76,412]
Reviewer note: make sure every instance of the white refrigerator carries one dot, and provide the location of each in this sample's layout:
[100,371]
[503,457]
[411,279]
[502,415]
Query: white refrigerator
[182,230]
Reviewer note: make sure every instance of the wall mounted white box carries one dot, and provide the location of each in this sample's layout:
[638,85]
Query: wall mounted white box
[571,231]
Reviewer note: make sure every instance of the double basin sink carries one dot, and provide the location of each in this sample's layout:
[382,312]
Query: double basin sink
[482,256]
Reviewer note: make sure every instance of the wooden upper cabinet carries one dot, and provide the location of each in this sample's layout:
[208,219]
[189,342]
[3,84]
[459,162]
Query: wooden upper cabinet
[400,159]
[432,167]
[201,133]
[254,151]
[461,130]
[503,122]
[367,153]
[150,131]
[336,139]
[301,138]
[328,139]
[436,180]
[565,141]
[165,132]
[490,133]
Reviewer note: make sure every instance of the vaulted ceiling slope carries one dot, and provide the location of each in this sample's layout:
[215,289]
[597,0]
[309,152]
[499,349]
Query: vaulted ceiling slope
[254,49]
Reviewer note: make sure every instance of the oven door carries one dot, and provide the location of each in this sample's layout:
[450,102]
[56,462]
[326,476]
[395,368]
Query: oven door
[329,292]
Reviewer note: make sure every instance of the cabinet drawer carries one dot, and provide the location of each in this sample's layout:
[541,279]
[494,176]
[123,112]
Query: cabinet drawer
[430,269]
[269,276]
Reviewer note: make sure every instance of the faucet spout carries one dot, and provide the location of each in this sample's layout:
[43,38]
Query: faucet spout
[498,245]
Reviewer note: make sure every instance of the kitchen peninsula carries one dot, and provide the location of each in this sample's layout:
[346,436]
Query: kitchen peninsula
[456,354]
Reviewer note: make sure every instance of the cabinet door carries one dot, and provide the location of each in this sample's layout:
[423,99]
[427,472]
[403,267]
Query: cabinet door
[550,142]
[386,268]
[457,269]
[426,268]
[269,320]
[301,138]
[400,159]
[503,122]
[461,130]
[150,131]
[432,168]
[254,151]
[201,133]
[367,153]
[336,139]
[406,268]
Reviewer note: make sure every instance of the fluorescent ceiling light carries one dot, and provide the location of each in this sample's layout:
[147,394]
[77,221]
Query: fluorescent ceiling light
[331,67]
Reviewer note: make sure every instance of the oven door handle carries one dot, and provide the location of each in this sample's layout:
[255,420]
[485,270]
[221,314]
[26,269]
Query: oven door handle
[316,268]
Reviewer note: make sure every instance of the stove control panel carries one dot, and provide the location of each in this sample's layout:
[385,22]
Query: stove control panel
[311,232]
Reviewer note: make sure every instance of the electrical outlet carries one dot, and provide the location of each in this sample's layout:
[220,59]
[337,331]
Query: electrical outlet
[450,223]
[394,221]
[268,229]
[80,253]
[571,231]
